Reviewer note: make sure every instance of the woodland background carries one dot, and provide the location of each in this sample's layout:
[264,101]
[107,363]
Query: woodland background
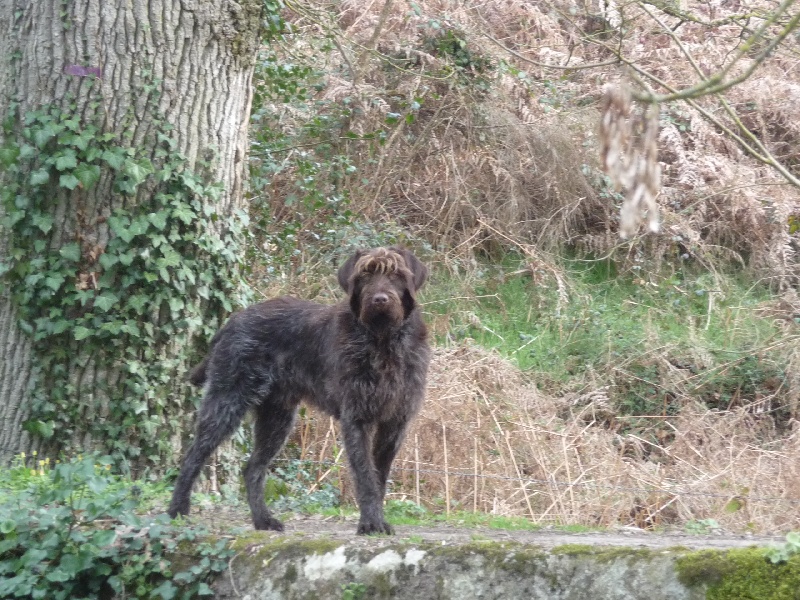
[580,376]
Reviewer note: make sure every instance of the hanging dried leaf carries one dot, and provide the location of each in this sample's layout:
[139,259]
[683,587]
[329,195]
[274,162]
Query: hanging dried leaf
[629,153]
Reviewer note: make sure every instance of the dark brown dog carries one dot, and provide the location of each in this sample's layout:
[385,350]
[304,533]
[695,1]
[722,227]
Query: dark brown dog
[363,361]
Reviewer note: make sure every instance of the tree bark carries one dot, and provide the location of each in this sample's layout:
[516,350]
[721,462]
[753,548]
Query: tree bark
[135,66]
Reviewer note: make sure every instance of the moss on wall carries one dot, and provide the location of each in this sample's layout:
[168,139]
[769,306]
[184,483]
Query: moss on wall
[743,574]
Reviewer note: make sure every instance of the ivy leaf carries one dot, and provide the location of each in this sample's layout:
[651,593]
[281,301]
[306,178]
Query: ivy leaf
[43,222]
[137,303]
[137,170]
[57,575]
[33,278]
[71,252]
[176,303]
[159,220]
[81,141]
[114,327]
[188,274]
[42,428]
[184,213]
[9,155]
[81,333]
[171,257]
[60,326]
[7,526]
[26,151]
[87,174]
[121,227]
[114,158]
[72,124]
[105,301]
[54,281]
[40,177]
[104,537]
[108,260]
[67,160]
[69,181]
[44,135]
[139,226]
[166,590]
[131,328]
[13,218]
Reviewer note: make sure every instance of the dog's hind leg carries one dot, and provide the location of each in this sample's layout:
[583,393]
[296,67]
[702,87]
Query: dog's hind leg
[272,427]
[218,418]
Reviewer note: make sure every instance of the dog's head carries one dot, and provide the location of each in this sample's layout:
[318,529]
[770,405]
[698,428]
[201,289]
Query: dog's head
[382,284]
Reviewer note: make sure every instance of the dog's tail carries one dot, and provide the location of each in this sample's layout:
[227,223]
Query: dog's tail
[197,376]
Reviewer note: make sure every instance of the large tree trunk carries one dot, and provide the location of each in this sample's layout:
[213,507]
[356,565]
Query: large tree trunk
[171,80]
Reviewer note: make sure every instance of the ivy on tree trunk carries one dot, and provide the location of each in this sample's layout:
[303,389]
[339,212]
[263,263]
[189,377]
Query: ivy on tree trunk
[123,153]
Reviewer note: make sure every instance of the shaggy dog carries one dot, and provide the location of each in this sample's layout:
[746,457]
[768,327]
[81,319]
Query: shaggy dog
[363,361]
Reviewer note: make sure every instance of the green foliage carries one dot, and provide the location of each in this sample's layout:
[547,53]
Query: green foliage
[274,25]
[451,44]
[288,489]
[302,165]
[781,554]
[622,331]
[354,591]
[405,512]
[297,175]
[126,288]
[701,526]
[71,532]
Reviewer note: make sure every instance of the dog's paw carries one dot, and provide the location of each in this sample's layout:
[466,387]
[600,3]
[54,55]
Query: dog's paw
[268,524]
[374,528]
[178,510]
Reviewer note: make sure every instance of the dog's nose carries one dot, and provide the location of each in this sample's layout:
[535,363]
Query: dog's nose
[380,298]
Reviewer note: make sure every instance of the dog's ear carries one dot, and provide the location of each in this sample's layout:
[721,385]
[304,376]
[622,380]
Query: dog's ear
[418,270]
[346,270]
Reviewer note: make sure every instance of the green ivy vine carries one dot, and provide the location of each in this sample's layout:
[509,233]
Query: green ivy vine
[130,293]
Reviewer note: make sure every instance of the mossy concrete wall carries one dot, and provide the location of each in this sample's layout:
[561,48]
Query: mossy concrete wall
[291,567]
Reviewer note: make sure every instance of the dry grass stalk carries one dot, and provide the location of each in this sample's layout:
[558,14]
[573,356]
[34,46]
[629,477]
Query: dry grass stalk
[522,154]
[509,168]
[488,440]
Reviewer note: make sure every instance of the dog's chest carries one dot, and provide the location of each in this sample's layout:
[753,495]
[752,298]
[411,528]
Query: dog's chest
[380,387]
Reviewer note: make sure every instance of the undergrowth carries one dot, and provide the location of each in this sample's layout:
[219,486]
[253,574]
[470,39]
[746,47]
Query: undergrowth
[73,531]
[656,342]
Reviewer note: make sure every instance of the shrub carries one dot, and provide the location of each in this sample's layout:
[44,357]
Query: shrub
[71,532]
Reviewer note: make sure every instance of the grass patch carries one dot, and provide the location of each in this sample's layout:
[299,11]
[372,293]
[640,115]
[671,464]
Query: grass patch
[652,341]
[399,512]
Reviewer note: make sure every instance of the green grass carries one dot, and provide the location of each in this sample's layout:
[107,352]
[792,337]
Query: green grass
[620,330]
[408,513]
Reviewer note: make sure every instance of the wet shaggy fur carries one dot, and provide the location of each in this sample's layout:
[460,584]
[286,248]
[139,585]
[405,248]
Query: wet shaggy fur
[363,361]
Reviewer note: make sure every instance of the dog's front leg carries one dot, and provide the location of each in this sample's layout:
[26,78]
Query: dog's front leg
[358,443]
